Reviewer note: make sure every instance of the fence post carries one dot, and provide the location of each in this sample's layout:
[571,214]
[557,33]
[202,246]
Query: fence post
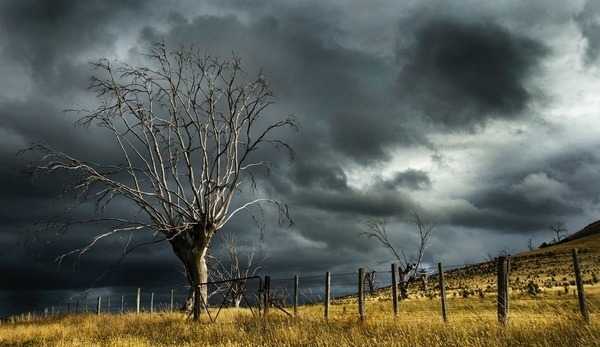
[502,290]
[171,300]
[197,299]
[122,303]
[267,295]
[361,293]
[580,293]
[506,300]
[296,282]
[151,302]
[443,292]
[395,287]
[137,301]
[327,294]
[108,305]
[99,305]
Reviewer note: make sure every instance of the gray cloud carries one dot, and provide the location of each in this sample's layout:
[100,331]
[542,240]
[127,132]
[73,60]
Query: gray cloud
[460,74]
[338,94]
[588,21]
[48,36]
[410,179]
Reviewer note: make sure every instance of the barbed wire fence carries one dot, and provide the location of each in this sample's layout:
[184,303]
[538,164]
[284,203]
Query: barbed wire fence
[340,290]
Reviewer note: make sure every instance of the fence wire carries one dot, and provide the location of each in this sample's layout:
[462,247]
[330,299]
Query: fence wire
[343,288]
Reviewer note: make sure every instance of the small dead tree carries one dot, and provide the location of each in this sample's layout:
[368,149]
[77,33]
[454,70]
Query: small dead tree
[370,281]
[236,265]
[559,230]
[409,271]
[530,245]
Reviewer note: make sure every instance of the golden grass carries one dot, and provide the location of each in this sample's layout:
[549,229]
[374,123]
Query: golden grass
[547,320]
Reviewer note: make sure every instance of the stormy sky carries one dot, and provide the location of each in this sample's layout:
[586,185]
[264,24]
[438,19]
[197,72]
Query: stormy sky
[478,116]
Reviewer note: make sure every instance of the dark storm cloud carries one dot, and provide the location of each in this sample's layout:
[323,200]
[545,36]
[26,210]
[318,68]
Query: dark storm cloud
[35,266]
[460,74]
[588,21]
[337,93]
[368,137]
[578,168]
[557,189]
[43,35]
[536,196]
[367,202]
[312,174]
[410,179]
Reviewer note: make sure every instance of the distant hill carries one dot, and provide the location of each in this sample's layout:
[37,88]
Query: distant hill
[591,229]
[549,268]
[546,271]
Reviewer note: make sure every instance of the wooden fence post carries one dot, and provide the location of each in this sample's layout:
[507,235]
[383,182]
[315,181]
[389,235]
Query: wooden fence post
[99,305]
[506,300]
[171,300]
[296,282]
[443,292]
[327,294]
[395,287]
[151,302]
[580,293]
[267,294]
[122,303]
[197,299]
[361,293]
[502,290]
[137,301]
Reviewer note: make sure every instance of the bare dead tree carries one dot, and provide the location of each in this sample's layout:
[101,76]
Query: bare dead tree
[409,270]
[530,245]
[236,265]
[188,128]
[370,277]
[559,229]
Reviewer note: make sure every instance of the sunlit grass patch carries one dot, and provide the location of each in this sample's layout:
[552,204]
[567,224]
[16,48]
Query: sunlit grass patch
[541,321]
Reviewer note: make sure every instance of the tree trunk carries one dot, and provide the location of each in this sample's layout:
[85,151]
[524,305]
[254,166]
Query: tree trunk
[404,290]
[191,248]
[197,273]
[405,279]
[237,294]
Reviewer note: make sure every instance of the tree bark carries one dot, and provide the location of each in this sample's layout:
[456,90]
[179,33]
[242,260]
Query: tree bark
[191,247]
[197,273]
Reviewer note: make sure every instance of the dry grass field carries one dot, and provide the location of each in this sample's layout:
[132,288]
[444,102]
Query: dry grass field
[543,312]
[472,322]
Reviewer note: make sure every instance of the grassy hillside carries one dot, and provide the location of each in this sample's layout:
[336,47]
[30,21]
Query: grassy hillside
[548,269]
[589,230]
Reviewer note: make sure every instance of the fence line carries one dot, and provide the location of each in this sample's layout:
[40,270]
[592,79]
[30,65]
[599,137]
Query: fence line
[268,295]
